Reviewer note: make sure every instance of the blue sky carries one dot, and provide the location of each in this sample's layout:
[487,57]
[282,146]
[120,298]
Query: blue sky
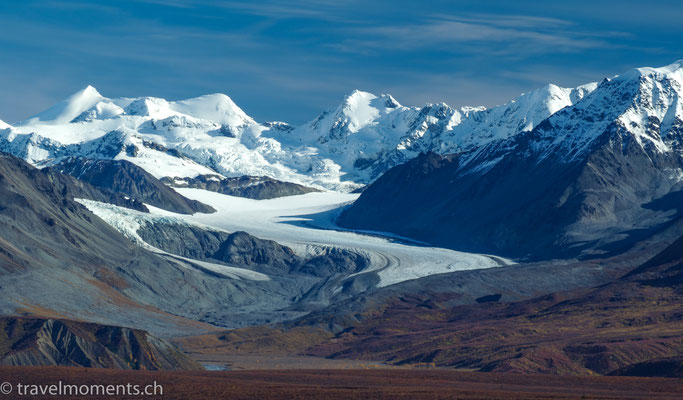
[290,60]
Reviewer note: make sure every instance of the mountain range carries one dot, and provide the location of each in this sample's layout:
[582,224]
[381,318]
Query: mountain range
[189,217]
[592,179]
[342,149]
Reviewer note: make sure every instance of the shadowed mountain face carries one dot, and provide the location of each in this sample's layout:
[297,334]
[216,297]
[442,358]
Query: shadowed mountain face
[247,251]
[126,178]
[33,208]
[33,342]
[251,187]
[591,179]
[74,188]
[182,240]
[240,248]
[526,207]
[665,269]
[57,259]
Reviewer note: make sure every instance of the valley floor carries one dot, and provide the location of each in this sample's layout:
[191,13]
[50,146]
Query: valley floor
[353,384]
[256,361]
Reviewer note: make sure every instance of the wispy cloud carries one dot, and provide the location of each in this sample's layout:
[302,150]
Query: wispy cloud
[287,60]
[318,9]
[488,34]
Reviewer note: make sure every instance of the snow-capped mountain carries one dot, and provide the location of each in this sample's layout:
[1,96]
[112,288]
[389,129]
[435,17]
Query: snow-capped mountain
[204,135]
[593,178]
[340,149]
[642,106]
[68,109]
[343,147]
[368,134]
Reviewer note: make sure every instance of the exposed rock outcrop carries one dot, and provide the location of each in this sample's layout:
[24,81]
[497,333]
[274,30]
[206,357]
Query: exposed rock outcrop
[252,187]
[247,251]
[241,248]
[183,239]
[33,342]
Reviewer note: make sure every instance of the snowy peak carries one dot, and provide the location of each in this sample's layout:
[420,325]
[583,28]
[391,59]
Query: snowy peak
[642,106]
[89,91]
[213,108]
[88,105]
[358,110]
[386,101]
[367,134]
[4,125]
[359,139]
[531,108]
[671,71]
[445,130]
[68,109]
[675,66]
[149,107]
[654,116]
[102,110]
[218,108]
[363,107]
[582,91]
[552,97]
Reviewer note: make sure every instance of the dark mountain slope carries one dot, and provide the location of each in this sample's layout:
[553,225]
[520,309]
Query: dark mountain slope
[33,342]
[665,269]
[590,180]
[251,187]
[124,177]
[57,259]
[247,251]
[75,188]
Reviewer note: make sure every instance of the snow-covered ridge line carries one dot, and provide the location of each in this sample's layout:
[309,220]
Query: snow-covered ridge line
[341,149]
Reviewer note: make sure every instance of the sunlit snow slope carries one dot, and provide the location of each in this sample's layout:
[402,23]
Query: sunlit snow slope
[341,149]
